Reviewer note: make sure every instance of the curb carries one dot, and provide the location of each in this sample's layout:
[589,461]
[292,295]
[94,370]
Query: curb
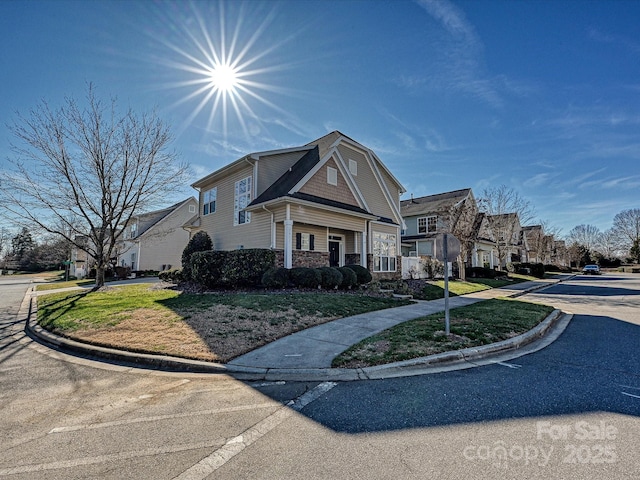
[464,357]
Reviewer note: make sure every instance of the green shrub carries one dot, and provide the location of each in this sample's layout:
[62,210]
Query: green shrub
[174,275]
[122,272]
[205,268]
[349,277]
[237,268]
[331,277]
[480,272]
[304,277]
[276,278]
[200,242]
[525,268]
[363,275]
[245,268]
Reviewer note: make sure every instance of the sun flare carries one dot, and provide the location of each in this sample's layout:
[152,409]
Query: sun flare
[225,68]
[224,78]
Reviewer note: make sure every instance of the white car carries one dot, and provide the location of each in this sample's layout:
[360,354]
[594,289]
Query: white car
[591,270]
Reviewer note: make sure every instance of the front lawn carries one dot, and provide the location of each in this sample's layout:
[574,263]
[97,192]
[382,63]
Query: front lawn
[478,324]
[213,327]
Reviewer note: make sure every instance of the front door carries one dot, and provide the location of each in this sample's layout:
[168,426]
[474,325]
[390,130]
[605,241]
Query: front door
[334,254]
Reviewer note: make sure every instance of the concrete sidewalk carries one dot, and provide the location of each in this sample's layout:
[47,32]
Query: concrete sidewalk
[316,347]
[307,355]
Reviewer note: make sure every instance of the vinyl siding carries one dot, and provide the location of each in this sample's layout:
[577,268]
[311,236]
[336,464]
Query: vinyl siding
[367,183]
[315,216]
[318,186]
[321,224]
[219,225]
[161,244]
[272,167]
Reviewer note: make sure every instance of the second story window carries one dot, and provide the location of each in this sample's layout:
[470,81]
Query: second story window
[133,232]
[209,201]
[427,224]
[241,200]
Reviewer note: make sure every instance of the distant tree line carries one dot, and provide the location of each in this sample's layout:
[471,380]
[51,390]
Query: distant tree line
[587,244]
[22,252]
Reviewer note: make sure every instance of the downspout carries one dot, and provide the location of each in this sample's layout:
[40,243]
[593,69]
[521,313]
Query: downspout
[273,228]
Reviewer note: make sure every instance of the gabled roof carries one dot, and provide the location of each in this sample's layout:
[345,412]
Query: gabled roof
[158,215]
[290,178]
[441,202]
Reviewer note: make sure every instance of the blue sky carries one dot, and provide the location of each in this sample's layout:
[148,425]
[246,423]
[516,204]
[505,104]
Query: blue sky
[543,96]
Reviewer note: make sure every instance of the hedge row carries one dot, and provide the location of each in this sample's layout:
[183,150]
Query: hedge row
[229,269]
[482,272]
[525,268]
[325,277]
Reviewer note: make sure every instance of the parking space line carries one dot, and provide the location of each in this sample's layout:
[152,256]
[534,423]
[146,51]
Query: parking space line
[236,445]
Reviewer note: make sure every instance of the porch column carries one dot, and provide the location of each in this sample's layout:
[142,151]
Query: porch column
[474,258]
[288,243]
[288,239]
[491,259]
[363,254]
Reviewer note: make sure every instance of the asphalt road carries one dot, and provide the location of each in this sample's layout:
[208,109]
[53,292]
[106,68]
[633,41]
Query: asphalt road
[571,410]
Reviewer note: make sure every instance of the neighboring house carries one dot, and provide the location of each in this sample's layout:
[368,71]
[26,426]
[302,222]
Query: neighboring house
[81,261]
[426,217]
[328,203]
[499,241]
[155,240]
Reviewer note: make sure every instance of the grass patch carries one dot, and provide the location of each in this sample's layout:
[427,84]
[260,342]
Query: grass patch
[213,327]
[71,311]
[474,325]
[434,290]
[62,284]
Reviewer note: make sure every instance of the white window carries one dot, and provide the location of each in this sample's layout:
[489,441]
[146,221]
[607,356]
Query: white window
[353,167]
[427,224]
[384,252]
[192,209]
[305,241]
[242,199]
[209,201]
[332,176]
[133,231]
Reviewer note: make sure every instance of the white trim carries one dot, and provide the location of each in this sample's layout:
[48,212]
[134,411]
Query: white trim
[332,176]
[338,160]
[292,200]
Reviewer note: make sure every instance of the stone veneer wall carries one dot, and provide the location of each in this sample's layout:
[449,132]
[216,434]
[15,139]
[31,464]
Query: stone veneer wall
[304,258]
[352,259]
[397,275]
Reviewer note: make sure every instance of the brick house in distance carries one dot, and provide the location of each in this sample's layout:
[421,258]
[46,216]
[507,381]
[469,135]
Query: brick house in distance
[331,202]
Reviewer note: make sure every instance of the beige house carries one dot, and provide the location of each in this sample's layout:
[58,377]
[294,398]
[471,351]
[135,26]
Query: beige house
[330,202]
[155,240]
[499,241]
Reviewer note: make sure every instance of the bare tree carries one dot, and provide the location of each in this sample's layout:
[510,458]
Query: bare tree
[586,236]
[505,211]
[626,225]
[460,221]
[608,244]
[80,172]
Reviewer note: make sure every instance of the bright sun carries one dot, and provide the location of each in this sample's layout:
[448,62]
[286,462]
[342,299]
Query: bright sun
[223,64]
[223,78]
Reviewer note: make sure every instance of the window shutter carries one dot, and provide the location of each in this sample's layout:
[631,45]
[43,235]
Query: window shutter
[298,241]
[311,245]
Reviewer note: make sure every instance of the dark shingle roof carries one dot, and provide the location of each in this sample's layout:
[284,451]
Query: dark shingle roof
[290,178]
[440,202]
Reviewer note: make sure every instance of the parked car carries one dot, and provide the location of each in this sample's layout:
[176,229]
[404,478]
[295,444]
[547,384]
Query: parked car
[591,270]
